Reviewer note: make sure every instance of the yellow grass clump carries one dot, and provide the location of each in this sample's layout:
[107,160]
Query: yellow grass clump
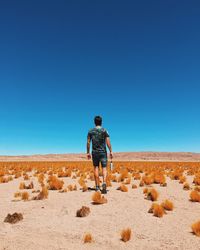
[134,186]
[97,198]
[152,195]
[83,212]
[158,211]
[126,234]
[123,188]
[25,196]
[167,205]
[186,186]
[196,228]
[55,183]
[87,238]
[195,196]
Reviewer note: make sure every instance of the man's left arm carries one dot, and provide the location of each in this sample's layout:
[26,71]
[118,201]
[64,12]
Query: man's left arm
[88,147]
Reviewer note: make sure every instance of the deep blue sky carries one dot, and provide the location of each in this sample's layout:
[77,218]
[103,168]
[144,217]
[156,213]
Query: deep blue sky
[136,63]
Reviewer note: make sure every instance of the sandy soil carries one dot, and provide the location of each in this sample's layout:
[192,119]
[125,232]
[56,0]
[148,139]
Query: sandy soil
[123,156]
[52,224]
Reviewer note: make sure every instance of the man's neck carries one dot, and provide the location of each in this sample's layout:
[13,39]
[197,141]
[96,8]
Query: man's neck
[98,126]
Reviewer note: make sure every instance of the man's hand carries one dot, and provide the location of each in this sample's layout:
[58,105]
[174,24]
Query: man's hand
[111,155]
[89,156]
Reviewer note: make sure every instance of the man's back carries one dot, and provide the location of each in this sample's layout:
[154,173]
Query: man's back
[98,137]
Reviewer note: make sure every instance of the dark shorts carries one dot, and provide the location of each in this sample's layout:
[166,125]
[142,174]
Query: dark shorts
[99,158]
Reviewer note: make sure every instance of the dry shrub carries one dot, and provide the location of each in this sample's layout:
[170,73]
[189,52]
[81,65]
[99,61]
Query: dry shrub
[123,188]
[84,188]
[134,186]
[83,212]
[97,198]
[55,183]
[167,205]
[145,190]
[87,238]
[17,194]
[70,187]
[41,178]
[197,188]
[126,234]
[141,183]
[195,196]
[25,196]
[196,228]
[13,218]
[186,186]
[22,185]
[136,176]
[152,207]
[152,195]
[148,180]
[196,180]
[42,195]
[26,177]
[158,211]
[127,181]
[159,178]
[123,175]
[182,179]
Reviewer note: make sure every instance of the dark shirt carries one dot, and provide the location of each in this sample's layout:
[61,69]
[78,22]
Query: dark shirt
[98,137]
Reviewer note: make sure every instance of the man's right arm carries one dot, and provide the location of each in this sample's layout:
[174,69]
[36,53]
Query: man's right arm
[108,143]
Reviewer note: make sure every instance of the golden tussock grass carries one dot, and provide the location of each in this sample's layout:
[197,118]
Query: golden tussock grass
[123,188]
[83,212]
[195,196]
[97,198]
[196,228]
[126,234]
[148,180]
[55,183]
[88,238]
[186,186]
[167,205]
[141,183]
[25,196]
[152,195]
[182,179]
[197,188]
[145,190]
[17,194]
[158,211]
[134,186]
[43,194]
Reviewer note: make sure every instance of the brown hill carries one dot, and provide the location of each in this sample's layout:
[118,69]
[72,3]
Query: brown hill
[119,156]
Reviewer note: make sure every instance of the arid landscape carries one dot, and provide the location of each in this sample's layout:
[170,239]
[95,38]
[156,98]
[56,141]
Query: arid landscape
[121,156]
[52,204]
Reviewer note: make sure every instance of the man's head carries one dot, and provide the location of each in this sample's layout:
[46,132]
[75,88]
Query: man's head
[98,120]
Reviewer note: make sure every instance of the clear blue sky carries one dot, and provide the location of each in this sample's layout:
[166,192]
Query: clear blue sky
[136,63]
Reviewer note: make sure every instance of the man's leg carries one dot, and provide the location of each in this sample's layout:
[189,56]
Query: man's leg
[104,171]
[96,176]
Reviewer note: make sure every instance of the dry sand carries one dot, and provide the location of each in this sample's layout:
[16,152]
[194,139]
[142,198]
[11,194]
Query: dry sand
[52,223]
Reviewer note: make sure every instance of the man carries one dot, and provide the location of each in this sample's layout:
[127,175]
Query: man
[100,138]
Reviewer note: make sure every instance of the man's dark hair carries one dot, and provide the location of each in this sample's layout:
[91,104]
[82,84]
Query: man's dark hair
[98,120]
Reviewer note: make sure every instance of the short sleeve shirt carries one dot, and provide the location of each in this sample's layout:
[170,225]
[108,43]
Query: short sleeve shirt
[98,137]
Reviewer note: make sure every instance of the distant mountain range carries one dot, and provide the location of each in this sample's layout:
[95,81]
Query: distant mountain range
[119,156]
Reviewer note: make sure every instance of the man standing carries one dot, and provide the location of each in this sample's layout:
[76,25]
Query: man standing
[100,138]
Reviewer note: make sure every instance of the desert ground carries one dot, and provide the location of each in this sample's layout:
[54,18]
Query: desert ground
[51,222]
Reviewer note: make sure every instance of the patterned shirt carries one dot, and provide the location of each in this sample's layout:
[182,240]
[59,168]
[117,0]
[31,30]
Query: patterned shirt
[98,136]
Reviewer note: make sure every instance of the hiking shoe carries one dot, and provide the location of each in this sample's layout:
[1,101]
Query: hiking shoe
[97,188]
[104,191]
